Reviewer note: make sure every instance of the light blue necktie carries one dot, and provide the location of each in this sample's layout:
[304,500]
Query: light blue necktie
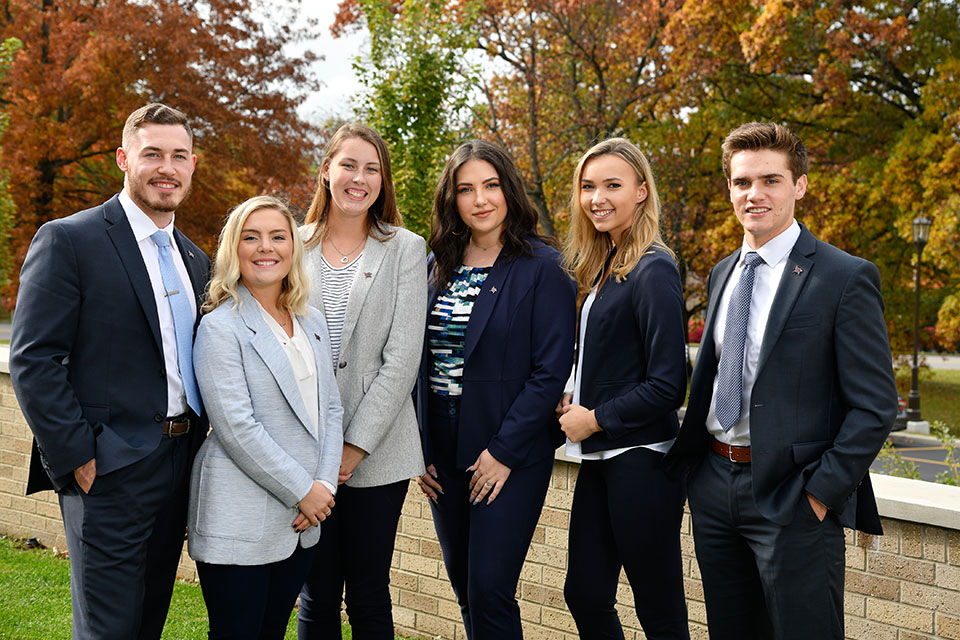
[182,318]
[730,369]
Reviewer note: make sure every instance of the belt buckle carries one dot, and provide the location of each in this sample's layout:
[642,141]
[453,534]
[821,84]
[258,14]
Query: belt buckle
[730,453]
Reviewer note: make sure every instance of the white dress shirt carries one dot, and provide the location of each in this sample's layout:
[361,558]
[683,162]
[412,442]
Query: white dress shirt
[143,227]
[766,281]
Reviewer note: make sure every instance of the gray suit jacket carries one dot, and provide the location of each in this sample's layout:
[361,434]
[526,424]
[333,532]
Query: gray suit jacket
[261,456]
[380,354]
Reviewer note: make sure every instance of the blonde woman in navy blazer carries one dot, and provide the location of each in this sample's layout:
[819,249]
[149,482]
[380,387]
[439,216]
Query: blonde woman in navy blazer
[630,380]
[489,385]
[264,478]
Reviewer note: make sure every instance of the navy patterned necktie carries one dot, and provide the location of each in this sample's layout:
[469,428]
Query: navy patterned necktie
[182,317]
[730,369]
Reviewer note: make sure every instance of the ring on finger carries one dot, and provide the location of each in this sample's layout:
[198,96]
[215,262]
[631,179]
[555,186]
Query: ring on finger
[487,484]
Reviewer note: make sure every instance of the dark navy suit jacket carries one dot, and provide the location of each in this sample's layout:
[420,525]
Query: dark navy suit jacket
[86,358]
[824,397]
[634,371]
[517,357]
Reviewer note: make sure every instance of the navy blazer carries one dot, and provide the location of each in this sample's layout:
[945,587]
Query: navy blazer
[86,357]
[824,398]
[517,357]
[634,365]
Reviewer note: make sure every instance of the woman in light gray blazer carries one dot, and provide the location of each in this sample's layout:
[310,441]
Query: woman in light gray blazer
[265,476]
[369,276]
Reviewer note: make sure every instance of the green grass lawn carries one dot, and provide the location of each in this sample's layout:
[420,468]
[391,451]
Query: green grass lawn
[35,592]
[939,395]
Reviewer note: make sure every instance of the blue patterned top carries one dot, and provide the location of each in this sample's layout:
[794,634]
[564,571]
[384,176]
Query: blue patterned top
[447,325]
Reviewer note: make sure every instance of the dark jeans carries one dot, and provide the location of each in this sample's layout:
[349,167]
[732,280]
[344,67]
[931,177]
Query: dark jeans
[760,579]
[125,539]
[355,548]
[253,601]
[626,513]
[483,545]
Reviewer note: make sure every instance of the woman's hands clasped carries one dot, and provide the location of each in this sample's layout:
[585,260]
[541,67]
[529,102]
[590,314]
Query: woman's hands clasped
[489,476]
[577,422]
[314,507]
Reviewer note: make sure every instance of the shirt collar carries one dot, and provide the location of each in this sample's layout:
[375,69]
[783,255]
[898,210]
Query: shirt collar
[775,250]
[141,224]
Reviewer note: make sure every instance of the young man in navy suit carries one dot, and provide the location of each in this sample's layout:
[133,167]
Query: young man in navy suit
[101,362]
[791,398]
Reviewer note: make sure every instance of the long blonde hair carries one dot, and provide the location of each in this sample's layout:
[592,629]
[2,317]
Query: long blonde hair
[382,212]
[586,250]
[226,272]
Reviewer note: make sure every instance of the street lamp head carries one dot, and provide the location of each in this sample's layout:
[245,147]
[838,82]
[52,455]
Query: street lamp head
[921,231]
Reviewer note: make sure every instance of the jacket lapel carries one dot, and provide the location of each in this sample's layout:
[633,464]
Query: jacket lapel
[268,348]
[791,283]
[373,254]
[718,282]
[491,291]
[122,237]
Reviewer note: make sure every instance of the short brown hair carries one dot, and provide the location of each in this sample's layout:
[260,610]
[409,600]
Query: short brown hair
[756,136]
[154,113]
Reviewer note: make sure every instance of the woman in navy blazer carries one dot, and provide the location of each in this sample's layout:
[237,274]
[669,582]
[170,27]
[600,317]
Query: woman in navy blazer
[499,345]
[629,382]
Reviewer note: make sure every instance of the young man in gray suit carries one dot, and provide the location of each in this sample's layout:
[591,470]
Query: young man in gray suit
[101,362]
[792,397]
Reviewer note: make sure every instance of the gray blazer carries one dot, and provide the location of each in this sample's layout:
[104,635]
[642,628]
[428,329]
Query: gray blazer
[261,456]
[380,354]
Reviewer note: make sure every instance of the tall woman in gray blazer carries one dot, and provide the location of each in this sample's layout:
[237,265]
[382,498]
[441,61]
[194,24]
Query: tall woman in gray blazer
[264,479]
[369,277]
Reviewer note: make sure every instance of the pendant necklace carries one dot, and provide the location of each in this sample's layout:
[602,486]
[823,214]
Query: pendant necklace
[345,257]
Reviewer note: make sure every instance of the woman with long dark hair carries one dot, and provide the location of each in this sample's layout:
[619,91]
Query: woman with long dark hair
[499,346]
[622,416]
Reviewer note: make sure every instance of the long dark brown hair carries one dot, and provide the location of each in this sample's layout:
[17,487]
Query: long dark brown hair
[449,235]
[382,212]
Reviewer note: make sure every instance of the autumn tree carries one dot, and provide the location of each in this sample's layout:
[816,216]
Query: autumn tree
[872,89]
[8,48]
[85,65]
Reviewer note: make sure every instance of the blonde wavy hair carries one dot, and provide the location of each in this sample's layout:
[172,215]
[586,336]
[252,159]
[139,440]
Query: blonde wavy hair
[226,271]
[586,250]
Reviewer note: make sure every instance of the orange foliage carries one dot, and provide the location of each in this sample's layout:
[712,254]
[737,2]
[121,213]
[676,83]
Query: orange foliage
[86,65]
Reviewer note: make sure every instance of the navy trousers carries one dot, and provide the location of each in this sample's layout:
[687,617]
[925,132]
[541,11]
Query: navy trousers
[483,545]
[626,513]
[762,580]
[253,602]
[355,549]
[125,539]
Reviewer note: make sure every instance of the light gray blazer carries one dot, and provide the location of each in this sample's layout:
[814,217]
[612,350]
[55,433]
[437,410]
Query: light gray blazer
[380,354]
[261,456]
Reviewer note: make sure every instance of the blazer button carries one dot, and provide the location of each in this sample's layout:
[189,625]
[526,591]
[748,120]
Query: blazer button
[163,373]
[158,417]
[343,364]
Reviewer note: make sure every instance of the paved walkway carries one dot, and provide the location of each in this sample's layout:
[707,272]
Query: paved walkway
[925,452]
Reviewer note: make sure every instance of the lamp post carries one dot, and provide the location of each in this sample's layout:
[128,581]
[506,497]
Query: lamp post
[921,233]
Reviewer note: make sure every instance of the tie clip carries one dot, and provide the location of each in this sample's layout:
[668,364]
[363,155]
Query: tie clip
[173,293]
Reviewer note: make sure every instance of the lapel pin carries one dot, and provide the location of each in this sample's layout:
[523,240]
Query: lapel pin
[493,289]
[797,270]
[317,336]
[367,274]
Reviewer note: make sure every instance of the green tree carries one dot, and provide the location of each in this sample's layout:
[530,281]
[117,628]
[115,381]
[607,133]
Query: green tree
[415,93]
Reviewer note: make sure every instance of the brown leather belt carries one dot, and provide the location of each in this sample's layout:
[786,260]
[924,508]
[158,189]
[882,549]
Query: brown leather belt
[176,426]
[730,452]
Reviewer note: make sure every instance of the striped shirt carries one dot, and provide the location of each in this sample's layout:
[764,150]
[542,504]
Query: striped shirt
[335,290]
